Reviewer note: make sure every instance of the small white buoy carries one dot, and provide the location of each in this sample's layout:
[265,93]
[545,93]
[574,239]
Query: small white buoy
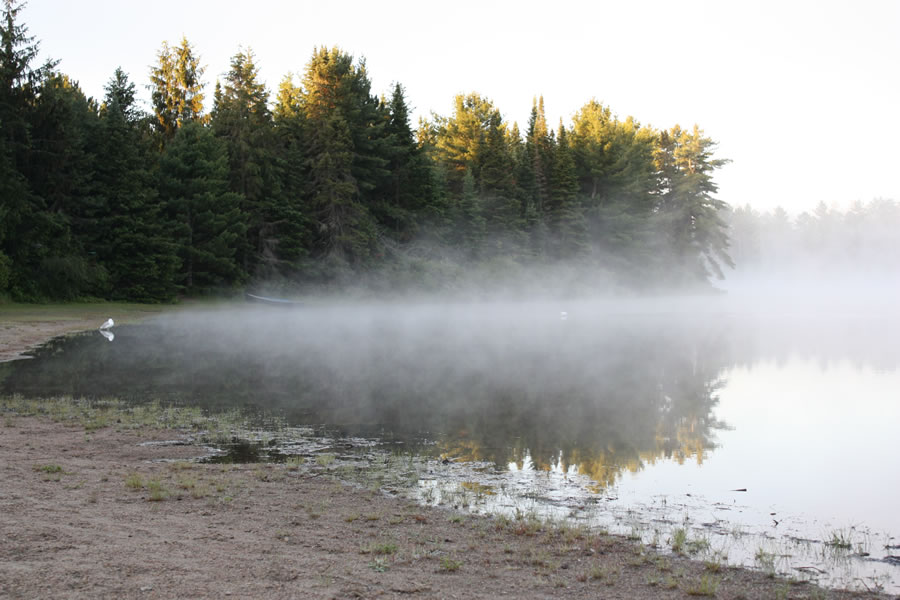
[109,323]
[563,316]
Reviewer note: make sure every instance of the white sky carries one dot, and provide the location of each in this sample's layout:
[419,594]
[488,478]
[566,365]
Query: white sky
[804,97]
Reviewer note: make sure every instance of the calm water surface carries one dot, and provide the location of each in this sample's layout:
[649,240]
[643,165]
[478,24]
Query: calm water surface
[763,436]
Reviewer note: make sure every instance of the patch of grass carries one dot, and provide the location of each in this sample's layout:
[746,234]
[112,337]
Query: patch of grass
[840,539]
[187,483]
[706,586]
[201,490]
[48,468]
[598,573]
[379,565]
[380,548]
[50,472]
[134,481]
[697,545]
[678,540]
[158,492]
[293,463]
[109,412]
[324,460]
[450,565]
[765,561]
[351,518]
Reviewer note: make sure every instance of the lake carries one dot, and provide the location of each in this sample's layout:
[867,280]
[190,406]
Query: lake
[753,434]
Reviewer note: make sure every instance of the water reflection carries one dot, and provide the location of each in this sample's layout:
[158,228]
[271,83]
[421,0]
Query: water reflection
[596,393]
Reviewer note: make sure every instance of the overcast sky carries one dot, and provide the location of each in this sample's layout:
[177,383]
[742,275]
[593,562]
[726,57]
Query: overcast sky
[804,97]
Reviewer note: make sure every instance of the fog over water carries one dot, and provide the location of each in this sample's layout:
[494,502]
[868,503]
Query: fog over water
[790,394]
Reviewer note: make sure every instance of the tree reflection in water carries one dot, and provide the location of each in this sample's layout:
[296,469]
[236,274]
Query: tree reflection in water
[601,395]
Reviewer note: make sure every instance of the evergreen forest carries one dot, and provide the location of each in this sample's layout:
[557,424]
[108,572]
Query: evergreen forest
[322,183]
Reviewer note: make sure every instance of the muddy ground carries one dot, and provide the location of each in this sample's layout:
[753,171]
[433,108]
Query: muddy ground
[102,514]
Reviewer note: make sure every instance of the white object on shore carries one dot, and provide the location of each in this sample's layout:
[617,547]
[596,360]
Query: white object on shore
[109,323]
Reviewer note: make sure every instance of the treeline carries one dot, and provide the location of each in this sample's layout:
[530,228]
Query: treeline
[324,183]
[821,242]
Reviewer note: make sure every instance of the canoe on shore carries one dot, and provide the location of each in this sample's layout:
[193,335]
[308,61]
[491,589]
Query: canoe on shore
[271,301]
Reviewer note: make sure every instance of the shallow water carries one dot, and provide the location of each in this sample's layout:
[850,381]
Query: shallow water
[644,418]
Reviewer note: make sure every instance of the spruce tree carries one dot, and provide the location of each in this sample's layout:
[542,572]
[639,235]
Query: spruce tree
[208,224]
[564,214]
[408,192]
[131,236]
[241,118]
[689,216]
[346,231]
[346,128]
[176,87]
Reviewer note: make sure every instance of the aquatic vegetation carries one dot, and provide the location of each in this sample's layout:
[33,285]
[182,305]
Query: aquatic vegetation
[678,540]
[840,539]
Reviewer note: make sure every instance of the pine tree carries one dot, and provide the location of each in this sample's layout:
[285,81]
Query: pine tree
[19,81]
[209,226]
[690,217]
[346,128]
[539,148]
[469,228]
[131,236]
[33,240]
[497,182]
[614,162]
[346,231]
[335,85]
[566,220]
[460,140]
[294,221]
[176,87]
[241,118]
[408,191]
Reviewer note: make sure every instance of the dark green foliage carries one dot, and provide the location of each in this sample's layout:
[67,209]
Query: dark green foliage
[564,213]
[209,225]
[346,231]
[689,216]
[241,118]
[130,233]
[334,86]
[408,192]
[330,184]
